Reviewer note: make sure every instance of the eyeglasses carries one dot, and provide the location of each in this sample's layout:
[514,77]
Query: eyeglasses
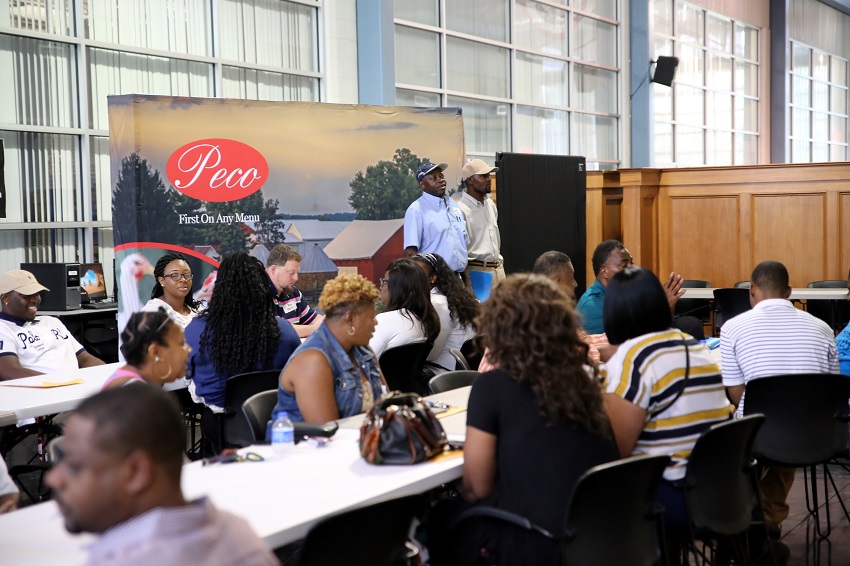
[178,276]
[383,281]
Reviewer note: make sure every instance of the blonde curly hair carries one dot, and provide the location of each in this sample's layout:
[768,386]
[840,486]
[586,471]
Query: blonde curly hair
[346,291]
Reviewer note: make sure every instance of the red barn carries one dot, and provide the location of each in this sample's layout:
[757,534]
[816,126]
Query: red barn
[367,247]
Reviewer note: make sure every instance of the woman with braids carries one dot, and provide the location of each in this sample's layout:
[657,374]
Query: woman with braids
[456,307]
[154,348]
[533,427]
[409,316]
[173,289]
[238,333]
[334,374]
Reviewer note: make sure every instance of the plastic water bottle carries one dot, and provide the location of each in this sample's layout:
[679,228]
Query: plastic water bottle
[283,434]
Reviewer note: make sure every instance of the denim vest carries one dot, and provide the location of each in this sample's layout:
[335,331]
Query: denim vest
[348,387]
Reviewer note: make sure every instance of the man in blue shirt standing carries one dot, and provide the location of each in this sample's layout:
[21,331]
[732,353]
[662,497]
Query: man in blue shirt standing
[434,223]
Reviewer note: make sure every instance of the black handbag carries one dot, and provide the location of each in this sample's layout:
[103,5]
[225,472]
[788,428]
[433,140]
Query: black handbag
[400,429]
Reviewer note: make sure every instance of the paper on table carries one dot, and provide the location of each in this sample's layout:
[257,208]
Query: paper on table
[450,411]
[43,384]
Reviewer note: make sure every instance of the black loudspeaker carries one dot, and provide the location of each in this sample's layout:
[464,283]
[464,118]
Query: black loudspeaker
[541,201]
[665,70]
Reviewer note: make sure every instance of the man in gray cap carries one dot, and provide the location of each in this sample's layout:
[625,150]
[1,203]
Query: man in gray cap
[481,220]
[433,223]
[30,344]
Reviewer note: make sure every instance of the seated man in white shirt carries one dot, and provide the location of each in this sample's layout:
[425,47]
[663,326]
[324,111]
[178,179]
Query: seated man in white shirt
[119,476]
[30,344]
[773,338]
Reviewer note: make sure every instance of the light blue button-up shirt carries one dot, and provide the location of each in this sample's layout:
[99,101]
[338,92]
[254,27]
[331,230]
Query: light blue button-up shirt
[437,225]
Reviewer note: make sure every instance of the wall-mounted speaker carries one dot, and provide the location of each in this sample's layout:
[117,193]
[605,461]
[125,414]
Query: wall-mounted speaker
[665,70]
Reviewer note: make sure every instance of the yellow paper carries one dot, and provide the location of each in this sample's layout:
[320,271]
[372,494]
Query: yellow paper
[43,384]
[450,411]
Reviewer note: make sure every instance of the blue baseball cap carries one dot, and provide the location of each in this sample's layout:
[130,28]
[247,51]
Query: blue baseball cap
[426,168]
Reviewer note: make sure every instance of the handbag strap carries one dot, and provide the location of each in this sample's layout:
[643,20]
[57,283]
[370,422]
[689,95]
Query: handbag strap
[681,390]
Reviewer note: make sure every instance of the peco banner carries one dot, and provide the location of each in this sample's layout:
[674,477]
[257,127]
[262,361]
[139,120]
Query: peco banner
[206,177]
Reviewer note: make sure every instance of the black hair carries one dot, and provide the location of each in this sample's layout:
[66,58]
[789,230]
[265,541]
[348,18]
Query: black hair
[241,330]
[603,251]
[550,263]
[463,306]
[159,271]
[770,276]
[635,304]
[138,417]
[409,289]
[142,330]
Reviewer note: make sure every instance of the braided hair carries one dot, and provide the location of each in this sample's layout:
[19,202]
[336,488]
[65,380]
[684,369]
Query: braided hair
[463,306]
[241,330]
[159,271]
[143,329]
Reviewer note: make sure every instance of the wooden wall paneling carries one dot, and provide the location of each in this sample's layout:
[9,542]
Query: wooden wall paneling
[843,230]
[832,235]
[649,229]
[704,239]
[595,210]
[604,206]
[791,228]
[639,184]
[745,240]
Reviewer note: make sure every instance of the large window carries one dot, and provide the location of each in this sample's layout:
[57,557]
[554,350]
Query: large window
[56,79]
[536,76]
[818,105]
[710,116]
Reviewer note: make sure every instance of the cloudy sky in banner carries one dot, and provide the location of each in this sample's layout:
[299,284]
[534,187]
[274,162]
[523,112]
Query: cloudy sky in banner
[313,149]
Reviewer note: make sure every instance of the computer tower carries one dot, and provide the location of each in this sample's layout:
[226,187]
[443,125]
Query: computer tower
[63,280]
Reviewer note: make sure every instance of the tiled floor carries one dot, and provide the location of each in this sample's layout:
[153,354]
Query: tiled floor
[798,530]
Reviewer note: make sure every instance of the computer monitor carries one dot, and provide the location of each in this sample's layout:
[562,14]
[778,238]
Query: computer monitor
[92,282]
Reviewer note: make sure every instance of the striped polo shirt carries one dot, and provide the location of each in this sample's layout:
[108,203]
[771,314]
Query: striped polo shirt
[775,338]
[649,371]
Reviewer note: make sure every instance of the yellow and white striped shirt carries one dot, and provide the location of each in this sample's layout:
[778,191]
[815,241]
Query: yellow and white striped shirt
[649,371]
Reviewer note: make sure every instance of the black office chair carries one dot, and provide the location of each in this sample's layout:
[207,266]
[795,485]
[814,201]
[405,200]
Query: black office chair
[699,308]
[402,367]
[836,313]
[720,485]
[232,427]
[729,303]
[473,351]
[612,517]
[806,426]
[101,340]
[460,360]
[452,380]
[258,411]
[371,536]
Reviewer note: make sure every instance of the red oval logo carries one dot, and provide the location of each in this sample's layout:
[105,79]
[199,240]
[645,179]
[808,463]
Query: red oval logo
[217,170]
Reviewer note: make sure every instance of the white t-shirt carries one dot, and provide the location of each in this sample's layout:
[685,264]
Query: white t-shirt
[396,329]
[452,334]
[43,344]
[182,319]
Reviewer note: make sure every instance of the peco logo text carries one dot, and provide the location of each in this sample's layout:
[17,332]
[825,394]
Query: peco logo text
[217,170]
